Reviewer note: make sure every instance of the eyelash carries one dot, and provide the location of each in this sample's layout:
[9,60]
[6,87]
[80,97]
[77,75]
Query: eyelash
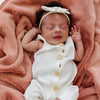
[50,27]
[63,26]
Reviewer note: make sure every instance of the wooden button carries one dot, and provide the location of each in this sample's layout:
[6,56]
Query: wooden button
[59,56]
[59,65]
[57,73]
[55,88]
[63,51]
[61,44]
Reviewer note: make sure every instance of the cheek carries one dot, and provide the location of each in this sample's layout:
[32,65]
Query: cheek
[46,35]
[66,33]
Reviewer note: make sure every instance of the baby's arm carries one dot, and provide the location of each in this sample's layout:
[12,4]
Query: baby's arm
[76,37]
[28,43]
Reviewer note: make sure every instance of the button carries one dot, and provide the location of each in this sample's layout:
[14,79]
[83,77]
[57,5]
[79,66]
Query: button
[59,65]
[63,51]
[57,73]
[39,98]
[59,56]
[55,88]
[61,44]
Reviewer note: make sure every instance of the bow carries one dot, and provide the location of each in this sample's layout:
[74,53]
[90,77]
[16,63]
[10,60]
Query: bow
[56,9]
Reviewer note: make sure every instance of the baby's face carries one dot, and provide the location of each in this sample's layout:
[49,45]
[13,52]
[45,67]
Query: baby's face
[55,28]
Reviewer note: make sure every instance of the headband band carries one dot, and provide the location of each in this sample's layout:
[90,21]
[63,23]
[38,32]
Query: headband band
[54,10]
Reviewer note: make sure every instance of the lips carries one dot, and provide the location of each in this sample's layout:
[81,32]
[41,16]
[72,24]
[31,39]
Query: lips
[57,37]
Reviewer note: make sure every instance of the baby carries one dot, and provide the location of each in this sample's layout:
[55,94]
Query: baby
[53,69]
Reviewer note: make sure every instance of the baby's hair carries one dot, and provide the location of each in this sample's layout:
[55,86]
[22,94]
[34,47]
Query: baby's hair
[50,4]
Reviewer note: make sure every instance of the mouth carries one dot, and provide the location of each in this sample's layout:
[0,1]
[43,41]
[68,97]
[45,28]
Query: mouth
[57,37]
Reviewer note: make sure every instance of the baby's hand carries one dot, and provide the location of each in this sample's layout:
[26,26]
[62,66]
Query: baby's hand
[36,30]
[75,34]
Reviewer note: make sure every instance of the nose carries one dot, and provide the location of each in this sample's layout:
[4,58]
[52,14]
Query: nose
[57,29]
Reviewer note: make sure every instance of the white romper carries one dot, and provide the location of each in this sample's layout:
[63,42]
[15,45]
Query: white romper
[53,73]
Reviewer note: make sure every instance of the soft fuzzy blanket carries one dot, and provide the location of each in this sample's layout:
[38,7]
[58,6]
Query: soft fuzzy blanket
[17,17]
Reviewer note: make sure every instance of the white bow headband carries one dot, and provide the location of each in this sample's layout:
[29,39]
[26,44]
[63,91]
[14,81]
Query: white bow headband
[54,10]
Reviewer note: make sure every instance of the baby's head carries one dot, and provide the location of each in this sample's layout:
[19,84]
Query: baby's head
[54,22]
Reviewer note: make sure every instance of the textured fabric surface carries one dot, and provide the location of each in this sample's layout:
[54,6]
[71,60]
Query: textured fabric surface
[17,17]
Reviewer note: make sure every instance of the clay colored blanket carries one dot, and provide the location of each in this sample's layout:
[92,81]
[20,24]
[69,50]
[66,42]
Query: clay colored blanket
[17,17]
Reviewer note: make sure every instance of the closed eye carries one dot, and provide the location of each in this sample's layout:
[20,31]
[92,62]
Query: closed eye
[50,27]
[63,26]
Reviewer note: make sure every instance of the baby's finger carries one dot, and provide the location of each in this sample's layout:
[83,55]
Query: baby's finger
[78,29]
[74,27]
[70,33]
[72,30]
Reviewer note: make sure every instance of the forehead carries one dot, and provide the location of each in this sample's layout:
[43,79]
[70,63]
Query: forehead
[55,17]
